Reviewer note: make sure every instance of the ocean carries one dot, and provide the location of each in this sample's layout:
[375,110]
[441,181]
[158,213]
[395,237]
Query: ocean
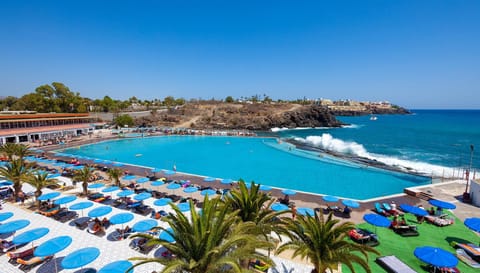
[435,142]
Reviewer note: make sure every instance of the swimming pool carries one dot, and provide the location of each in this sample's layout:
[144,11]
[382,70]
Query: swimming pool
[262,160]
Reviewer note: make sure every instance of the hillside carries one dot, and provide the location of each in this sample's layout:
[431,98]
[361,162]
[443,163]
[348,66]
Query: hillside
[257,116]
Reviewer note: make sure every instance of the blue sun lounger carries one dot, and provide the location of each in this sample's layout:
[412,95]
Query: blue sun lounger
[379,209]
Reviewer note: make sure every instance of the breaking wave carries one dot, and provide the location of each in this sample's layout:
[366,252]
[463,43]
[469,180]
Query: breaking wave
[329,143]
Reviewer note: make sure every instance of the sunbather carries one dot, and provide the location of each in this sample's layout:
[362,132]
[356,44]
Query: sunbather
[95,227]
[124,232]
[105,223]
[439,221]
[34,261]
[259,265]
[13,256]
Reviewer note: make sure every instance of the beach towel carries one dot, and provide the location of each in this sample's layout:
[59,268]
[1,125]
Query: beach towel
[471,249]
[464,257]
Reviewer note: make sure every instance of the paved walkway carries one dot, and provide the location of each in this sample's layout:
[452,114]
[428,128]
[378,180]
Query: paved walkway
[110,250]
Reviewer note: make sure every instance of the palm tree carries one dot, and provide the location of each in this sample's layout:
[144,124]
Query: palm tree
[209,241]
[114,175]
[324,243]
[83,175]
[39,182]
[253,205]
[17,172]
[15,150]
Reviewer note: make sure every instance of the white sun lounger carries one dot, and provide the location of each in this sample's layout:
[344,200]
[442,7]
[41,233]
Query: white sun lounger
[393,265]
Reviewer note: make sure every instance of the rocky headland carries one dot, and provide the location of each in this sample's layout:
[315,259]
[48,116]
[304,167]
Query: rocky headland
[258,116]
[231,116]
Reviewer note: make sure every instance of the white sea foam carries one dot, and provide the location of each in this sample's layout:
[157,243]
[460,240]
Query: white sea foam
[353,126]
[329,143]
[276,129]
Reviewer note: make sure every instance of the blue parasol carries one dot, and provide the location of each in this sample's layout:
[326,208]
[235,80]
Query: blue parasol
[350,203]
[121,218]
[265,188]
[142,196]
[68,166]
[5,215]
[65,200]
[162,202]
[96,186]
[190,189]
[110,189]
[173,186]
[13,226]
[125,193]
[6,183]
[435,256]
[53,175]
[473,224]
[53,246]
[209,192]
[48,196]
[157,183]
[226,181]
[142,180]
[184,207]
[129,177]
[279,207]
[76,168]
[117,267]
[209,179]
[167,235]
[81,206]
[377,220]
[413,210]
[100,211]
[441,204]
[330,199]
[80,257]
[144,225]
[306,211]
[60,164]
[30,236]
[289,192]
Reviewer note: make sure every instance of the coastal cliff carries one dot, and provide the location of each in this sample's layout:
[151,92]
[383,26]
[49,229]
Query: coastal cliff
[258,117]
[367,110]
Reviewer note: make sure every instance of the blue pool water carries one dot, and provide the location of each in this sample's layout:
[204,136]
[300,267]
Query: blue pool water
[262,160]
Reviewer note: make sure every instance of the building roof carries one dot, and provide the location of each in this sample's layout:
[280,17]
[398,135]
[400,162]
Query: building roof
[42,129]
[4,117]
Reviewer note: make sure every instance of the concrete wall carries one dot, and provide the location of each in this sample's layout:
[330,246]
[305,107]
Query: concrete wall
[475,192]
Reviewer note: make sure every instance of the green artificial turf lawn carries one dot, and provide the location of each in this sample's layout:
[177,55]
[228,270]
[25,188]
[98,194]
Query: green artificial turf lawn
[430,235]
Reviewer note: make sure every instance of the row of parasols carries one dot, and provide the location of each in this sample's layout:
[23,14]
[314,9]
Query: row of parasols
[75,259]
[80,257]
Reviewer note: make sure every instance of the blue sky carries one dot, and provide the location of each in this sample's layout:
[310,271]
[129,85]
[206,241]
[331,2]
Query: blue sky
[418,54]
